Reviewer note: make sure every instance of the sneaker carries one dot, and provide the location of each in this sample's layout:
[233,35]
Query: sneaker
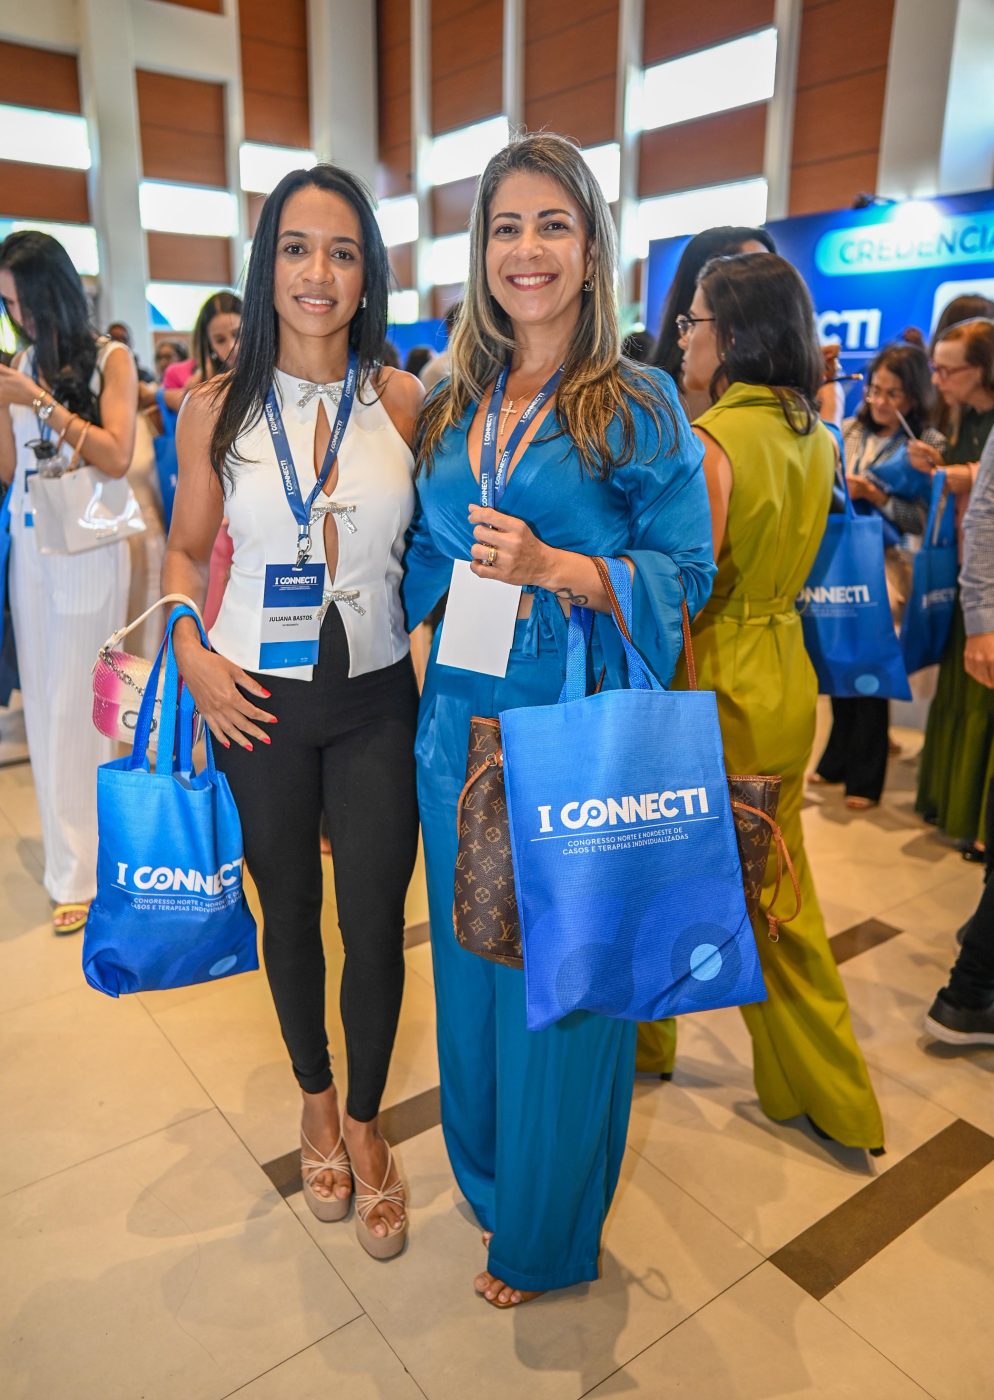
[959,1025]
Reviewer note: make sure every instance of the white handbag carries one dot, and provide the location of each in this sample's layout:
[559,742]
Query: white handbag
[81,508]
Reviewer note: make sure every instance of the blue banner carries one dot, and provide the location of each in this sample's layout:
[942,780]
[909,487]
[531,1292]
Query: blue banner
[872,272]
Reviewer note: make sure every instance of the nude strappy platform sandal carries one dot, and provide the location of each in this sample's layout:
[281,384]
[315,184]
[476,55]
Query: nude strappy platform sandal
[386,1246]
[326,1208]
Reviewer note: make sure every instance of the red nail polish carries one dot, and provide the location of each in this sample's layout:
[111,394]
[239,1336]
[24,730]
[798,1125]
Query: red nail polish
[226,743]
[267,694]
[250,748]
[273,719]
[266,739]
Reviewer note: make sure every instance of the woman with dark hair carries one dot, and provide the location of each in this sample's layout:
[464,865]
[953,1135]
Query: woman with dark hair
[602,461]
[68,390]
[710,243]
[958,758]
[770,463]
[215,347]
[305,446]
[898,386]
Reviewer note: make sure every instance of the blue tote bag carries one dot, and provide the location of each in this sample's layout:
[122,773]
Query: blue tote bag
[845,612]
[166,461]
[928,617]
[626,866]
[170,909]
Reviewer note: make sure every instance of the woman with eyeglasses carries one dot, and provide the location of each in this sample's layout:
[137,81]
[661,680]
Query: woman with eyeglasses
[898,388]
[750,344]
[958,758]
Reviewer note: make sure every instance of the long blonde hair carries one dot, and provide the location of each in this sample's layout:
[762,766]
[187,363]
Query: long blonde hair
[597,384]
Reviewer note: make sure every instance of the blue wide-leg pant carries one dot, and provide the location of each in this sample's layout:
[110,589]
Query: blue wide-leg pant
[534,1121]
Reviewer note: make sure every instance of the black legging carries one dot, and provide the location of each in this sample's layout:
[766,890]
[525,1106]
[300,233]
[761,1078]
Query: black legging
[345,747]
[856,752]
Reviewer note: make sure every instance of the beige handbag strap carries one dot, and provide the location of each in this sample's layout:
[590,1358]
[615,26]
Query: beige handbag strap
[115,639]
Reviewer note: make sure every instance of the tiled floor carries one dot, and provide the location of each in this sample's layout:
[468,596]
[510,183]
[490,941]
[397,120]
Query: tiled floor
[153,1246]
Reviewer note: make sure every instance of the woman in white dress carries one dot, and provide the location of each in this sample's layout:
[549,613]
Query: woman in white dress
[73,388]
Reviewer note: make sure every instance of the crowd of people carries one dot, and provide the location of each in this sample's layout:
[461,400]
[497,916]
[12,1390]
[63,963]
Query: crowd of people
[705,458]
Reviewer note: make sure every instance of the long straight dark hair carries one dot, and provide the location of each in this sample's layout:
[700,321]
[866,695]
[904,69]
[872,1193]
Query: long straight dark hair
[242,391]
[765,329]
[55,318]
[219,304]
[709,243]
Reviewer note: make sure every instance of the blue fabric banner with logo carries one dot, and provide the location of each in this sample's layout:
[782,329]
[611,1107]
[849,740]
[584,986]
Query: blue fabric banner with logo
[928,617]
[170,909]
[626,865]
[845,612]
[871,272]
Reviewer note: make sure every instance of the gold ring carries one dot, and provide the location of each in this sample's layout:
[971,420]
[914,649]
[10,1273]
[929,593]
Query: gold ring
[491,557]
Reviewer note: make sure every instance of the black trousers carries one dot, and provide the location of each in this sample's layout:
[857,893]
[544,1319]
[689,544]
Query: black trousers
[345,748]
[856,752]
[971,982]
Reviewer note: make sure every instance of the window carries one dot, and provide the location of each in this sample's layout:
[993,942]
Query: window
[403,307]
[689,211]
[187,209]
[460,154]
[79,241]
[174,306]
[44,138]
[714,80]
[605,162]
[398,220]
[448,260]
[261,168]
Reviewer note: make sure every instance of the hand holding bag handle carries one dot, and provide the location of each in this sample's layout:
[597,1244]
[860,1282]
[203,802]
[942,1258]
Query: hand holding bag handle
[116,638]
[621,611]
[177,708]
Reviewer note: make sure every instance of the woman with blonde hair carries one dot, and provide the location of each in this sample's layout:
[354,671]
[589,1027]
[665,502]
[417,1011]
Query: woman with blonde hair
[599,461]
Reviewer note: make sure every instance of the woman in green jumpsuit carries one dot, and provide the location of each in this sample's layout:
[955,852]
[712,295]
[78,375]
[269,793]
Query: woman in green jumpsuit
[770,464]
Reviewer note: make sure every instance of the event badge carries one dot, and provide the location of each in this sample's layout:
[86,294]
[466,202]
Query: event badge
[292,612]
[481,612]
[479,622]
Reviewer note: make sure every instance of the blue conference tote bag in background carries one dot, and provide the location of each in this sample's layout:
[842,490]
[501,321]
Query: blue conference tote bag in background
[928,617]
[626,866]
[170,909]
[166,461]
[848,630]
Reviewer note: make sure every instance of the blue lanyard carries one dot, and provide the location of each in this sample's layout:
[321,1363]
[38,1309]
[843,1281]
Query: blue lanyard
[288,472]
[493,474]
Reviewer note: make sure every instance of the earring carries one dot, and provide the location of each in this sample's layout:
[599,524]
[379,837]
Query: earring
[362,304]
[588,285]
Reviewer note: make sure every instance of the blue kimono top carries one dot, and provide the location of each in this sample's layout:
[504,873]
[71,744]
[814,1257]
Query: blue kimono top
[654,510]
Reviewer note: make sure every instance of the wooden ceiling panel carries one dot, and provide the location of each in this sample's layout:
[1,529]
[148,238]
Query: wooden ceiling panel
[840,118]
[279,121]
[181,257]
[39,78]
[393,22]
[469,95]
[451,205]
[185,159]
[393,171]
[580,53]
[43,192]
[842,38]
[180,104]
[670,30]
[832,184]
[255,21]
[709,151]
[277,69]
[551,17]
[402,264]
[584,113]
